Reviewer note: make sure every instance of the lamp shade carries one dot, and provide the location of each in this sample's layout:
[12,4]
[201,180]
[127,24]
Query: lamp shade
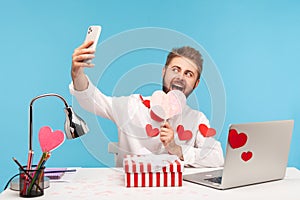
[74,125]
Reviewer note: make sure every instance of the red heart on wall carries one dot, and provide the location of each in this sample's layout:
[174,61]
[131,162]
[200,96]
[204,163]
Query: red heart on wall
[236,140]
[246,156]
[50,140]
[151,132]
[205,131]
[184,134]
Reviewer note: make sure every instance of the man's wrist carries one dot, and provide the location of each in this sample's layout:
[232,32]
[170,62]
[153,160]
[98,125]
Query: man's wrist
[80,82]
[175,149]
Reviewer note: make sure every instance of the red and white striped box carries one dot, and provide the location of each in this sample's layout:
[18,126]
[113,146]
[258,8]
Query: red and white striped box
[152,171]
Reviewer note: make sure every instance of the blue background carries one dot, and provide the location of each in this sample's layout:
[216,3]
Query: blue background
[255,45]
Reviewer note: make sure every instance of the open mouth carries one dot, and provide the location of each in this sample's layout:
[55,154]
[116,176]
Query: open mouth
[177,87]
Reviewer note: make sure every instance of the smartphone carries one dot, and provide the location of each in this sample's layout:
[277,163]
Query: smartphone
[93,33]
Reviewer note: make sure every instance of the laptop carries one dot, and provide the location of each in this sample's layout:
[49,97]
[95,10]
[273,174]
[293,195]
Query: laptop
[255,153]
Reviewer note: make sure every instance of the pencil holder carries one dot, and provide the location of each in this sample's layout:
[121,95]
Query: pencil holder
[31,182]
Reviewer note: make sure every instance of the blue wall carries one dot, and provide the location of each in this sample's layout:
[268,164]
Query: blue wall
[255,46]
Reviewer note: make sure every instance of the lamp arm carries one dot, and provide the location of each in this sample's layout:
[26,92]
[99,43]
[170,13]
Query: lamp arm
[31,113]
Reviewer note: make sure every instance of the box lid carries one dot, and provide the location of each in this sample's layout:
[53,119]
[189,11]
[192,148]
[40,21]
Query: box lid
[152,163]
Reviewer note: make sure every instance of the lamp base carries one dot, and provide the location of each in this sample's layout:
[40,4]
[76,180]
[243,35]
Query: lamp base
[14,184]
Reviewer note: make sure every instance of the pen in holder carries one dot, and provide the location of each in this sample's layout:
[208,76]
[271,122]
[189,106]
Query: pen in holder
[31,181]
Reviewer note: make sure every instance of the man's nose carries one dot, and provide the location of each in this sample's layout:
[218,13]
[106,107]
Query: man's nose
[181,75]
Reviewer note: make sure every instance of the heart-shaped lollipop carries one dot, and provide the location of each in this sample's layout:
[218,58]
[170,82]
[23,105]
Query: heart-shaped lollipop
[167,105]
[50,140]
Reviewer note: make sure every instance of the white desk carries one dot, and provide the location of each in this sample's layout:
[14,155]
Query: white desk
[106,183]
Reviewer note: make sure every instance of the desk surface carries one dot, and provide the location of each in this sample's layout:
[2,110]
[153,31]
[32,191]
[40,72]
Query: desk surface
[108,183]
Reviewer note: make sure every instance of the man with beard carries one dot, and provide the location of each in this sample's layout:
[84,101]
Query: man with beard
[137,128]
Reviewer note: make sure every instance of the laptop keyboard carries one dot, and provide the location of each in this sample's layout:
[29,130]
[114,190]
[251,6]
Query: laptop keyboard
[215,179]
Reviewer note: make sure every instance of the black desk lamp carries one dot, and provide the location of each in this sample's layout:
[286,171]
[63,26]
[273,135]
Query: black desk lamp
[74,127]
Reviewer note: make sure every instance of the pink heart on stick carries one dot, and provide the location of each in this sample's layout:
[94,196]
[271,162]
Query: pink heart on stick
[167,105]
[50,140]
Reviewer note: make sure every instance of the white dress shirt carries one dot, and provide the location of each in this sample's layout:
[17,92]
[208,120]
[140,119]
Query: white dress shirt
[131,116]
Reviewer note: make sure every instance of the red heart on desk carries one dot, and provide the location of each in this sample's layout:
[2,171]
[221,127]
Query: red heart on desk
[151,132]
[205,131]
[235,139]
[50,140]
[246,156]
[184,134]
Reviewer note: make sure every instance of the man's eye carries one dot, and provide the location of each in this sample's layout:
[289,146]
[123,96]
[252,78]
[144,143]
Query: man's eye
[189,74]
[175,69]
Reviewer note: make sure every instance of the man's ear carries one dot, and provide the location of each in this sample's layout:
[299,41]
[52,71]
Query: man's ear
[197,83]
[163,72]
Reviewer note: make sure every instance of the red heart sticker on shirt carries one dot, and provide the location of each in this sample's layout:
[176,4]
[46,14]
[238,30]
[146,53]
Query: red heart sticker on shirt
[205,131]
[145,102]
[50,140]
[236,140]
[184,134]
[246,156]
[151,132]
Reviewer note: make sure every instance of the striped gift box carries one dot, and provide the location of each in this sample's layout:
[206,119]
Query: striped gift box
[152,171]
[156,179]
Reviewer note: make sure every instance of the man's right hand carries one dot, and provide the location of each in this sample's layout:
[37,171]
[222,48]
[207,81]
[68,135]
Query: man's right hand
[81,54]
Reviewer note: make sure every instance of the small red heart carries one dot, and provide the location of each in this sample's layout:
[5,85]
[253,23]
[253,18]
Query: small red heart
[236,140]
[50,140]
[184,134]
[205,131]
[246,156]
[151,132]
[145,102]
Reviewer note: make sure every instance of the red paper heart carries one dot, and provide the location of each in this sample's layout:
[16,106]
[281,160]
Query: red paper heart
[184,134]
[246,156]
[151,132]
[145,102]
[50,140]
[205,131]
[236,140]
[155,117]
